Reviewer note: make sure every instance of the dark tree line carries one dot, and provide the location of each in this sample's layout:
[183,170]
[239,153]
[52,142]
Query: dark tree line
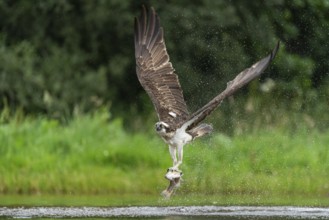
[62,56]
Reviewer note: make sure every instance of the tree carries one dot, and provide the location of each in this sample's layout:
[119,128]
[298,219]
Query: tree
[58,57]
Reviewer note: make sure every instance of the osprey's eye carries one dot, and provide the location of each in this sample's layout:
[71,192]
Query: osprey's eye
[158,127]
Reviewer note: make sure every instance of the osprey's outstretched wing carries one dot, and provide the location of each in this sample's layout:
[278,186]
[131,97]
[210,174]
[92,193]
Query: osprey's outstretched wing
[155,72]
[239,81]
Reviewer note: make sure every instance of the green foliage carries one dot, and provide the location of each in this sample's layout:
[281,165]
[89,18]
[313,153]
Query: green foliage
[61,57]
[52,84]
[92,155]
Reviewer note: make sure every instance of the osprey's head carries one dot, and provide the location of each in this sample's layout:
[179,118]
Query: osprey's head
[161,127]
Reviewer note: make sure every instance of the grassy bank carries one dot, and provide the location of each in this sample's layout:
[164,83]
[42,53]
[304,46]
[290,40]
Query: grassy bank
[89,155]
[156,200]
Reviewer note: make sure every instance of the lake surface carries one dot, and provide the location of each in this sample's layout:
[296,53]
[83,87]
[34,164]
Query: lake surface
[172,212]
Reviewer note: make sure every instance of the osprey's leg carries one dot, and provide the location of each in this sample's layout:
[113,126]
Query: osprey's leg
[172,151]
[173,172]
[180,157]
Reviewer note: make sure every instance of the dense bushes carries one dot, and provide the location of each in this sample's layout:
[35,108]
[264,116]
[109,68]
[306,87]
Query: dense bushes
[58,57]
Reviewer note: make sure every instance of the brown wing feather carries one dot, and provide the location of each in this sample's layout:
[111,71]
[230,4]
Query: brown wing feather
[155,71]
[239,81]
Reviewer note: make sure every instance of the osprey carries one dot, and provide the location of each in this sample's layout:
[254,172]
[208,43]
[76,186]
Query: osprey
[176,125]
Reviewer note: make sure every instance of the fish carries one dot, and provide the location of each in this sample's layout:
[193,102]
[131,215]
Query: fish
[173,185]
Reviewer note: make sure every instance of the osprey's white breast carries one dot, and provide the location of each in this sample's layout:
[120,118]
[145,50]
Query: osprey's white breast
[180,138]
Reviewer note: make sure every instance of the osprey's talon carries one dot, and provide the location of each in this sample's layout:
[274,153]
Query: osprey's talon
[173,173]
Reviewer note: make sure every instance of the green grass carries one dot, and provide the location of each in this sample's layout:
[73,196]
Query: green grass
[92,156]
[155,200]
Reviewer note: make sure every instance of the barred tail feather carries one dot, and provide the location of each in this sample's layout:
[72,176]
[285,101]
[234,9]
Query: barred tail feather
[200,130]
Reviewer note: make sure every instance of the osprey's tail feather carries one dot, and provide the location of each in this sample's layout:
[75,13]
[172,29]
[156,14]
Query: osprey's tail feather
[200,130]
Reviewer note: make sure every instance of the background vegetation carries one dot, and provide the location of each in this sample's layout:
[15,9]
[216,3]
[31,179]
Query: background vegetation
[65,64]
[61,57]
[92,156]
